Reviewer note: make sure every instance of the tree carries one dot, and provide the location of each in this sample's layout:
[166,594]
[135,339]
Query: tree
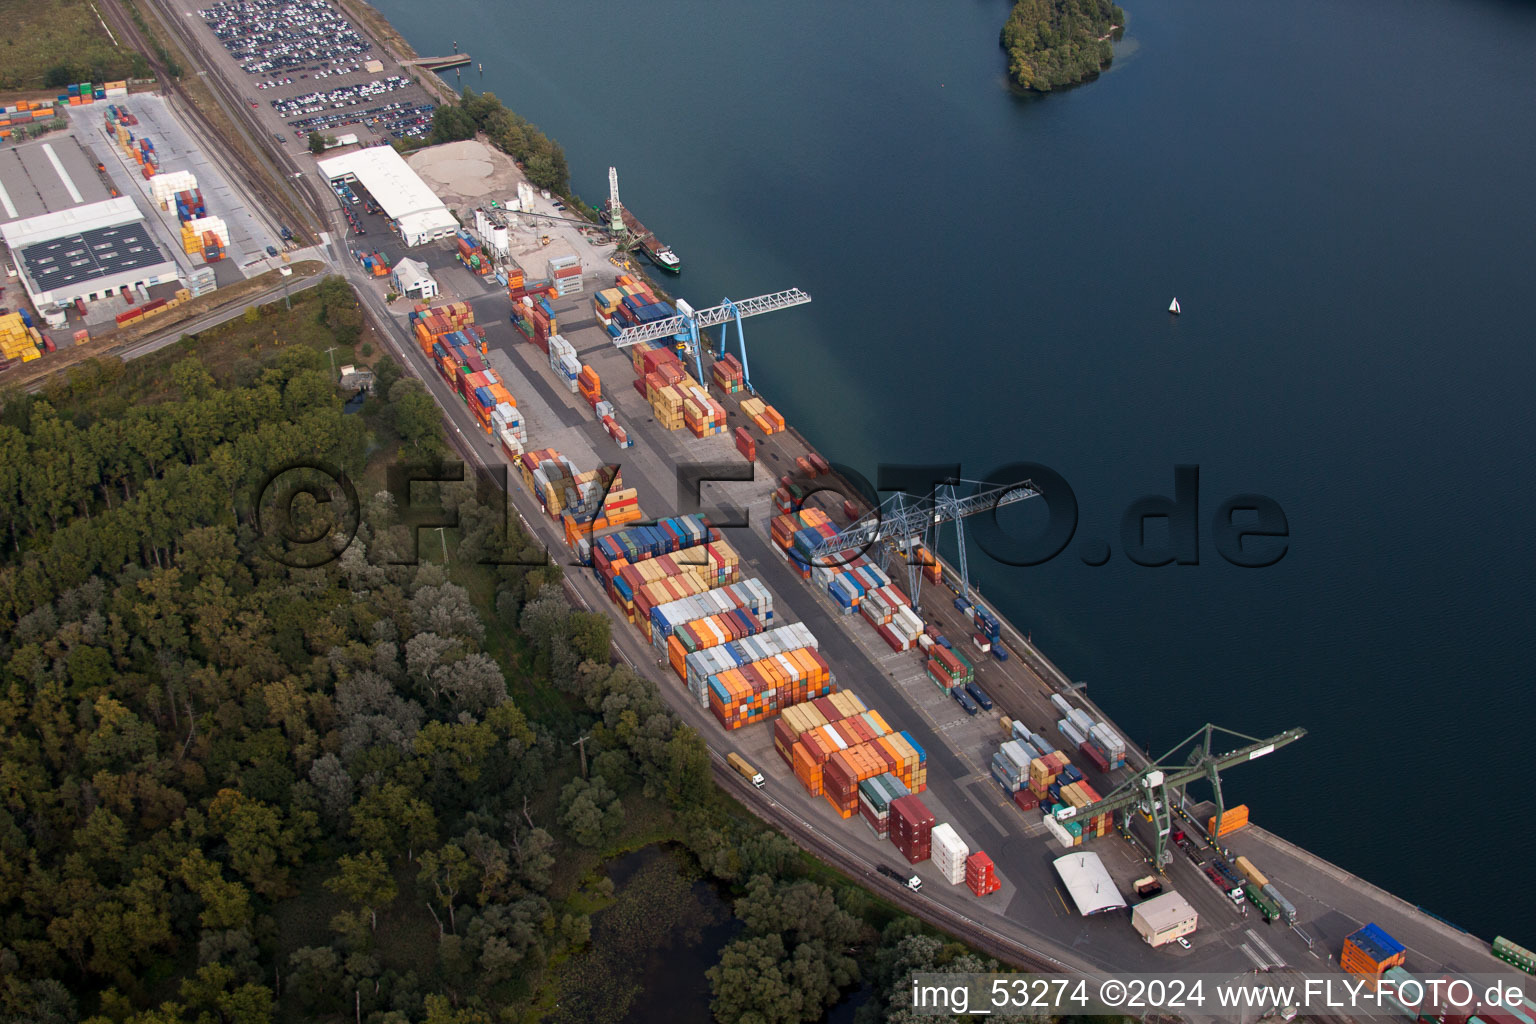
[412,411]
[750,984]
[447,870]
[364,879]
[589,636]
[316,143]
[591,812]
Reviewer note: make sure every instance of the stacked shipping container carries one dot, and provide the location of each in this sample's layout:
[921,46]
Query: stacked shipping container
[949,853]
[1369,952]
[912,828]
[765,417]
[980,874]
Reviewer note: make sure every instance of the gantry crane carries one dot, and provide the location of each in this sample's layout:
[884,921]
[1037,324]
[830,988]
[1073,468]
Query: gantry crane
[903,521]
[690,322]
[1148,790]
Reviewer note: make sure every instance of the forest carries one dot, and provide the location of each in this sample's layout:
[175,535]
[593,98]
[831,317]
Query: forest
[234,791]
[1056,43]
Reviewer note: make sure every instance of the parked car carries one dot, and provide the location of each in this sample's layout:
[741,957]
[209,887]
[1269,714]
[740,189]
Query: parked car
[271,250]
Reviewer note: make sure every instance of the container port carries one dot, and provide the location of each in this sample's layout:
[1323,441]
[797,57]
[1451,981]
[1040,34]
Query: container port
[834,756]
[925,772]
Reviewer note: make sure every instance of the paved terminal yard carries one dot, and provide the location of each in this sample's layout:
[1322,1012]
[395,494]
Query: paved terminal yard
[1032,908]
[251,229]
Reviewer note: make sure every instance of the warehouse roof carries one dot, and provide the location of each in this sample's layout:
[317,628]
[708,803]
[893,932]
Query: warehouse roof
[1163,912]
[19,234]
[108,253]
[1089,883]
[39,177]
[389,179]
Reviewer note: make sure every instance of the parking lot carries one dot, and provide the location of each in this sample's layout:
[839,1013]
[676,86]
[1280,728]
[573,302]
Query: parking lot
[309,69]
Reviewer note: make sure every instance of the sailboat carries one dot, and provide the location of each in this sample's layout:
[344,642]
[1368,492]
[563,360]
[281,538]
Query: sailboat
[1173,307]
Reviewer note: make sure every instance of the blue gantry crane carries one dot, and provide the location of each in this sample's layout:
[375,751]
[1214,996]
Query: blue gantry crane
[690,324]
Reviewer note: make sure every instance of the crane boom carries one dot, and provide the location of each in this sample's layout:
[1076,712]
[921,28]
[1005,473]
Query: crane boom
[1136,789]
[712,317]
[902,517]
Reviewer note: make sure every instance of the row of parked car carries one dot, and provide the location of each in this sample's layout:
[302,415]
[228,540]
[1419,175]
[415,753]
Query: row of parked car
[338,98]
[398,118]
[279,35]
[319,73]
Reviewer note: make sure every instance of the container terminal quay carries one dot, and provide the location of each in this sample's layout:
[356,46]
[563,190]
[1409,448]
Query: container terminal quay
[517,299]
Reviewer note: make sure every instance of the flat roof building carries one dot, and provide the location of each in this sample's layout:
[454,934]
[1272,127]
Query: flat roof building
[1164,918]
[85,252]
[1088,883]
[416,211]
[46,176]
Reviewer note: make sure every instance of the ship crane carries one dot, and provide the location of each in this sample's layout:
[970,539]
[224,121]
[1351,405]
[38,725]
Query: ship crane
[692,322]
[903,521]
[1148,790]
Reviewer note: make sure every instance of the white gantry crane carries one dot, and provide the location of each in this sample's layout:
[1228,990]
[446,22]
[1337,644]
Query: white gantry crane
[903,521]
[689,322]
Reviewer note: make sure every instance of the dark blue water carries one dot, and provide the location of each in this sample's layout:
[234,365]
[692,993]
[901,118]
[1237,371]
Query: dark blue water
[1338,193]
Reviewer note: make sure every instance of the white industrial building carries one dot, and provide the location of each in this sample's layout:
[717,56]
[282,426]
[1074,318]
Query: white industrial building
[87,252]
[1088,883]
[1164,918]
[414,278]
[418,214]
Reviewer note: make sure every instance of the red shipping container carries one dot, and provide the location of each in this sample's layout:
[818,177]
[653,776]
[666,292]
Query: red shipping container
[1091,752]
[1026,800]
[980,875]
[912,828]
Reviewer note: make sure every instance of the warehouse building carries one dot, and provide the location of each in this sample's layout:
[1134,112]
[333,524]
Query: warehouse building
[1164,918]
[42,177]
[1088,883]
[414,209]
[414,278]
[85,252]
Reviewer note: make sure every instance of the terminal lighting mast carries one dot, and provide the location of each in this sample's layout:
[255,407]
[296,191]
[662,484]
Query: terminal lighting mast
[902,521]
[1149,789]
[691,322]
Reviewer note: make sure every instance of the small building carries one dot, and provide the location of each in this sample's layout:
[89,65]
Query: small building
[1164,918]
[414,278]
[1088,883]
[355,379]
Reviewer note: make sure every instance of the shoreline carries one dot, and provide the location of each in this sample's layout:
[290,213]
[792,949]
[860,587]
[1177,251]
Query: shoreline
[1019,643]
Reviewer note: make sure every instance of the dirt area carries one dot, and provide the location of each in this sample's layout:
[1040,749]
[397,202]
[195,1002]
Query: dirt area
[468,173]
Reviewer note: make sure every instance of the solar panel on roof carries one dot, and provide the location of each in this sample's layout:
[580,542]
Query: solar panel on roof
[100,252]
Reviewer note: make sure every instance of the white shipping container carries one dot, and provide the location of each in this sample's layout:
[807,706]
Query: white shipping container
[1061,704]
[1058,833]
[1070,732]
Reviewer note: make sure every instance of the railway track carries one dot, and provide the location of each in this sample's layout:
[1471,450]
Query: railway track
[258,180]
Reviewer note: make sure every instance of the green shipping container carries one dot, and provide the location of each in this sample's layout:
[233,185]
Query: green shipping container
[1514,954]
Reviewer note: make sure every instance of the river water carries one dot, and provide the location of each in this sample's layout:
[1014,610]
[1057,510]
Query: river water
[1338,194]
